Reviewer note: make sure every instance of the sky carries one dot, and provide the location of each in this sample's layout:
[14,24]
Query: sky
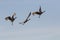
[47,27]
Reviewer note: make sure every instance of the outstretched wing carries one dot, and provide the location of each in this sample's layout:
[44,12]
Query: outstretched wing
[29,15]
[8,18]
[26,19]
[40,9]
[14,14]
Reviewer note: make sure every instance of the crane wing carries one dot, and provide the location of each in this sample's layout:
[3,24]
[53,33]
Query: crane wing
[29,15]
[40,9]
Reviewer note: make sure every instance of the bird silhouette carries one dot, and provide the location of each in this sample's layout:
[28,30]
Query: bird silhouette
[11,18]
[38,12]
[27,19]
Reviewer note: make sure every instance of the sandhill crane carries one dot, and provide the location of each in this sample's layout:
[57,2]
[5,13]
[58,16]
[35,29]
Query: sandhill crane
[11,18]
[27,19]
[38,12]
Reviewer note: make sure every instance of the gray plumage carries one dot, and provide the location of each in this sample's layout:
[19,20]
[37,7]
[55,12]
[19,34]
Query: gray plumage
[27,19]
[38,12]
[12,19]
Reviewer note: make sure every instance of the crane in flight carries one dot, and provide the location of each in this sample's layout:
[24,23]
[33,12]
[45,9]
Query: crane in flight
[11,18]
[26,20]
[38,12]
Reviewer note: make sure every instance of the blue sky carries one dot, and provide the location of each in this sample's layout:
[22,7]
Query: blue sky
[44,28]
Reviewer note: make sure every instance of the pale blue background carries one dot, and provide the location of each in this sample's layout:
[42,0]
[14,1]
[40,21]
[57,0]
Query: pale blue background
[45,28]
